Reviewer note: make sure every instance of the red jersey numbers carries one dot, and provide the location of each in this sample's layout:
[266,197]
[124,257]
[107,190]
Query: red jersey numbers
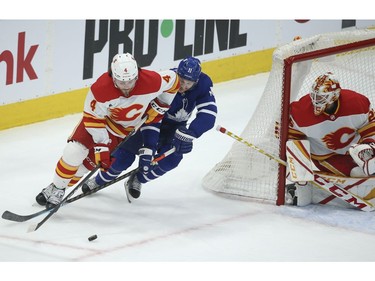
[166,78]
[126,114]
[93,105]
[176,85]
[339,139]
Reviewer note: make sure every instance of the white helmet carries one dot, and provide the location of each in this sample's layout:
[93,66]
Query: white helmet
[124,67]
[324,91]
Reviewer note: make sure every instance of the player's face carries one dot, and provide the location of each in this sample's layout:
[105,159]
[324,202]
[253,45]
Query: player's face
[125,86]
[185,85]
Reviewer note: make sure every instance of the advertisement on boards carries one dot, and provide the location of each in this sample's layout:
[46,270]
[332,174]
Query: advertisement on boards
[46,57]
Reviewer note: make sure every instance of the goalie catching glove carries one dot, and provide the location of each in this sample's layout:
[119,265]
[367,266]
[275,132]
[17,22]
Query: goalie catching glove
[364,156]
[183,140]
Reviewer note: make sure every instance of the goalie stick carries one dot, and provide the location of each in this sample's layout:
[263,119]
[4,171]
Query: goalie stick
[7,215]
[318,181]
[366,183]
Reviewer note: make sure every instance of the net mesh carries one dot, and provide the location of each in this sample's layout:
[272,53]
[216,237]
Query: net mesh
[245,171]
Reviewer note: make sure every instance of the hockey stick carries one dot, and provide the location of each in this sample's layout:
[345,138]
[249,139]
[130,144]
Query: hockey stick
[21,218]
[319,182]
[349,184]
[57,207]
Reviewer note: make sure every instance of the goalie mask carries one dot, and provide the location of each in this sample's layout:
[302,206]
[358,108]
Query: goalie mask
[324,91]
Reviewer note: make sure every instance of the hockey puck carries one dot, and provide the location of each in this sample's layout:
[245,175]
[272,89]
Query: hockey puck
[93,237]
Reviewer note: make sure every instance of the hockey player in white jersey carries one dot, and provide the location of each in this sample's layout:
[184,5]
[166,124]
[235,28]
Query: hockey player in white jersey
[115,104]
[340,126]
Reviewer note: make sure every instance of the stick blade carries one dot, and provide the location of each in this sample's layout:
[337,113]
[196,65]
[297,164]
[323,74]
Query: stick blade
[7,215]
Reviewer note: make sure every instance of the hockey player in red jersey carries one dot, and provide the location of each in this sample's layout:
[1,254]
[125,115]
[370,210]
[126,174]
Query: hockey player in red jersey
[340,126]
[115,104]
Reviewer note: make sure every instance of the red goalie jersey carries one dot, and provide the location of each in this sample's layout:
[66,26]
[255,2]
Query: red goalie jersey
[331,134]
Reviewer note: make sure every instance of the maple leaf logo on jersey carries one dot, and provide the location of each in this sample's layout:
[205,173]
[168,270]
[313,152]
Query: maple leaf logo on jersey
[339,139]
[180,115]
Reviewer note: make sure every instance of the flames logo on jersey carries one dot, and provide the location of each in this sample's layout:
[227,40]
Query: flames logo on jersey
[125,114]
[334,140]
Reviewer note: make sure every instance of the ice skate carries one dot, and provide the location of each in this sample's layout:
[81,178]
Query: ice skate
[50,196]
[89,185]
[133,186]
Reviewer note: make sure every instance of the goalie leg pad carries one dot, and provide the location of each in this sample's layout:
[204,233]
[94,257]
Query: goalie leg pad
[304,195]
[299,162]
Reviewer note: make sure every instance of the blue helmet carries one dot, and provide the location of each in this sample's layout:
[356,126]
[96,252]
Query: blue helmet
[189,69]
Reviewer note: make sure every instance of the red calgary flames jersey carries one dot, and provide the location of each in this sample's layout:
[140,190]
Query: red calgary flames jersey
[106,108]
[329,134]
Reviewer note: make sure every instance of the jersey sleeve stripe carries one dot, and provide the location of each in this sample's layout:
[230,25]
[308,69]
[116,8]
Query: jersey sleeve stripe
[213,113]
[175,87]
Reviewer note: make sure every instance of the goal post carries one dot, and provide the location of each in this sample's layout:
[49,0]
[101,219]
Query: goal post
[245,172]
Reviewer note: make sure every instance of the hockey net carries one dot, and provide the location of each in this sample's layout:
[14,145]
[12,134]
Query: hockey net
[350,55]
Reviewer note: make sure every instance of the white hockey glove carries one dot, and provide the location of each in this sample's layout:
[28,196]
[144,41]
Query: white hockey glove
[364,156]
[155,111]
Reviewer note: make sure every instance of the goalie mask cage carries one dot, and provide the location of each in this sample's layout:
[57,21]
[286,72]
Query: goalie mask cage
[350,55]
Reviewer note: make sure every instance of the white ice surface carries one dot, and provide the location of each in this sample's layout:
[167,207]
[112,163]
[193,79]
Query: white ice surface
[175,220]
